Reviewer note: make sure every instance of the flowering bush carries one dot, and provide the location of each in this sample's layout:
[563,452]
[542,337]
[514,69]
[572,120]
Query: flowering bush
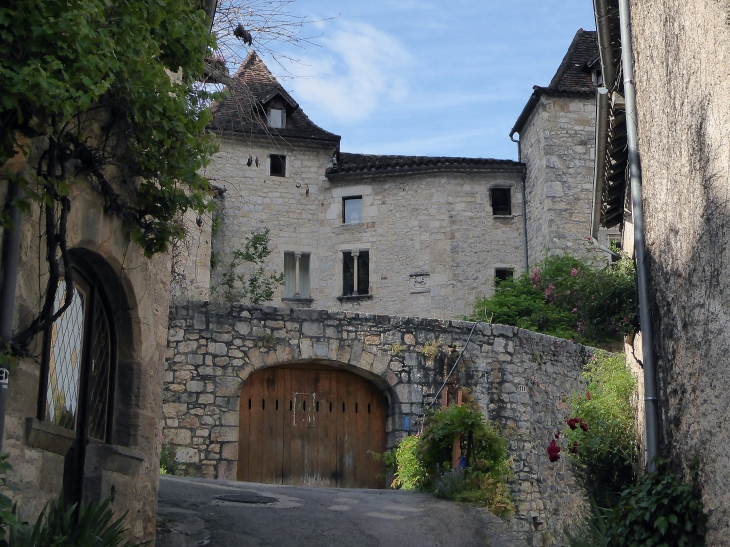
[569,298]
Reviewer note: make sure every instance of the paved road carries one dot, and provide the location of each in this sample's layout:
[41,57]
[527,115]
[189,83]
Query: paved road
[200,512]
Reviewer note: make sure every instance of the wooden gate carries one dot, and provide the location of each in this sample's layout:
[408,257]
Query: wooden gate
[311,425]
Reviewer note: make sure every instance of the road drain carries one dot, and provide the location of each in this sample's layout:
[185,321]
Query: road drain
[247,497]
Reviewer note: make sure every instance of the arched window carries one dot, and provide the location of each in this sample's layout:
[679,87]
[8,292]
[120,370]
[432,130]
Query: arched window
[78,372]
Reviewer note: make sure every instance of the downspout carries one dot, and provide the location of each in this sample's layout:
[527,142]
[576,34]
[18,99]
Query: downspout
[10,257]
[524,199]
[600,163]
[647,338]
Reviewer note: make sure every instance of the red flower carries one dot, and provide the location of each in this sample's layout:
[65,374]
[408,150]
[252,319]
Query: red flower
[583,425]
[572,423]
[588,395]
[553,451]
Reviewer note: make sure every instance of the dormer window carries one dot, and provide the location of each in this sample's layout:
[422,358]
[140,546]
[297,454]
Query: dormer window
[597,76]
[277,118]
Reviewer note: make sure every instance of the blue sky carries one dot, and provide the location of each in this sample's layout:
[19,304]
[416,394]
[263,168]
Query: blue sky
[429,78]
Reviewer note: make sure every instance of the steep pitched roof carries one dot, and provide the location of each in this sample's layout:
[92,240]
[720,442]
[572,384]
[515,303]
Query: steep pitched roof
[359,165]
[573,76]
[242,112]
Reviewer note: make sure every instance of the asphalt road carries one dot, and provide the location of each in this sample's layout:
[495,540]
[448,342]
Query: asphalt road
[201,512]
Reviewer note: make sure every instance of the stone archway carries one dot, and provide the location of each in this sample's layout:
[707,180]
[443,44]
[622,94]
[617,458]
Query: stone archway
[311,424]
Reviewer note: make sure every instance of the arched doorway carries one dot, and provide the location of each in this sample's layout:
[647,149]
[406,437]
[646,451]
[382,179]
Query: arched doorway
[311,424]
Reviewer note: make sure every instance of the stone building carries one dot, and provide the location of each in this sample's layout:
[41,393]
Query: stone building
[557,144]
[83,410]
[407,235]
[683,111]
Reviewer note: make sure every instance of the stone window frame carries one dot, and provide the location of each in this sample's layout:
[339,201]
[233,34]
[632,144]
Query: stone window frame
[353,198]
[357,256]
[508,188]
[298,276]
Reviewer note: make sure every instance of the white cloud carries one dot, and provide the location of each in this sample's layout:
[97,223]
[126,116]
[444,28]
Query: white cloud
[358,68]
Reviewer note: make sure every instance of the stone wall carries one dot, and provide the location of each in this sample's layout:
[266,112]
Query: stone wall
[138,293]
[521,379]
[683,102]
[557,144]
[439,225]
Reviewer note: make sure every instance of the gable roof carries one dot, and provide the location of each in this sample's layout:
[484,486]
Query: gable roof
[572,78]
[241,112]
[370,165]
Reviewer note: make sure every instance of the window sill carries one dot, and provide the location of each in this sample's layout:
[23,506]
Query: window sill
[48,436]
[504,217]
[298,302]
[355,298]
[115,458]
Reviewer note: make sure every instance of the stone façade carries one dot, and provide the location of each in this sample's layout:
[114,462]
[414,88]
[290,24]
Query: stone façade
[520,379]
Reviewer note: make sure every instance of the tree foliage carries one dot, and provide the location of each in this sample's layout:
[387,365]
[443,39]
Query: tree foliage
[569,298]
[104,95]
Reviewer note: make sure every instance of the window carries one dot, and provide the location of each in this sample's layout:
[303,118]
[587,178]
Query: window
[277,118]
[277,167]
[597,77]
[355,273]
[77,372]
[296,275]
[352,210]
[501,201]
[503,274]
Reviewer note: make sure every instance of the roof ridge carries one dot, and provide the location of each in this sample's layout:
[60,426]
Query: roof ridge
[566,60]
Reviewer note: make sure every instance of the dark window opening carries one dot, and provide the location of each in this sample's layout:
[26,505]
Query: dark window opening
[277,167]
[277,404]
[263,404]
[291,406]
[368,408]
[503,274]
[343,407]
[330,406]
[317,406]
[352,210]
[304,405]
[249,404]
[363,273]
[501,201]
[355,408]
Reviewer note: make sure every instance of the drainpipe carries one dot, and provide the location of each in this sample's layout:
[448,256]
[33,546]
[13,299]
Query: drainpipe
[600,164]
[647,338]
[10,257]
[524,199]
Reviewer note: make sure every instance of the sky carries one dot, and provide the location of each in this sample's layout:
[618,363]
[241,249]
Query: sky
[416,77]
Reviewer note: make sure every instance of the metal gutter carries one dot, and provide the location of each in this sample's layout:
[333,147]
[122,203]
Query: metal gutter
[452,168]
[647,337]
[600,163]
[600,10]
[524,201]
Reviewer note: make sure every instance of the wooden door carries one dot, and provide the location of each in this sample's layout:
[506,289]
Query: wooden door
[311,425]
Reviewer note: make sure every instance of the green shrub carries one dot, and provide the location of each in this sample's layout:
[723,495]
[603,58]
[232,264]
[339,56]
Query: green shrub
[87,525]
[569,298]
[602,432]
[661,510]
[168,463]
[424,463]
[408,471]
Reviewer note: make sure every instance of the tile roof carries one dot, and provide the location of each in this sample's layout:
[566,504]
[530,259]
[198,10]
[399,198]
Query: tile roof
[358,165]
[241,112]
[573,76]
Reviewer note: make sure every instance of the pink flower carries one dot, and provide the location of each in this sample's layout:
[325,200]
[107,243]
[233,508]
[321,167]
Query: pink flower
[574,272]
[575,310]
[625,319]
